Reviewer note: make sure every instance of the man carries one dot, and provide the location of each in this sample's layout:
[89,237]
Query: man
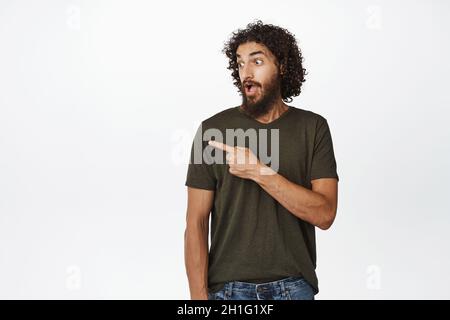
[263,217]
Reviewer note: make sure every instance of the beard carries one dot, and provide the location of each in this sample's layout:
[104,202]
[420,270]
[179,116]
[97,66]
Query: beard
[263,101]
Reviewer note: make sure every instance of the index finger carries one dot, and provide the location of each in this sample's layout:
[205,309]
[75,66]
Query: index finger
[221,146]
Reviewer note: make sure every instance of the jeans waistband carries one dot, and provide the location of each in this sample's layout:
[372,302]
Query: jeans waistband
[266,285]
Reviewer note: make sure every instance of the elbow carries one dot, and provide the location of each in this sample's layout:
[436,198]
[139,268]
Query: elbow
[325,225]
[327,221]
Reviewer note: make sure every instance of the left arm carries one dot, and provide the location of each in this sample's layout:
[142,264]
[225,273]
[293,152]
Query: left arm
[317,206]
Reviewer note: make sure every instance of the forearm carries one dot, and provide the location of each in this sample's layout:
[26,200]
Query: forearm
[196,258]
[305,204]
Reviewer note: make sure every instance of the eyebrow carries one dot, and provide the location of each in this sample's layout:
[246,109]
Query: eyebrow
[253,53]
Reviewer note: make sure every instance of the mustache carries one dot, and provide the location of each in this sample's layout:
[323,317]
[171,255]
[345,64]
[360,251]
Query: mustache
[247,83]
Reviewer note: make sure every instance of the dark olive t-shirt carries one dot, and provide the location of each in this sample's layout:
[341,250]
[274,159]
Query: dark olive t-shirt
[253,237]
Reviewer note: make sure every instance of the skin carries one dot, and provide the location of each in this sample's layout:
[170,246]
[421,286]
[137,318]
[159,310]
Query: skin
[317,206]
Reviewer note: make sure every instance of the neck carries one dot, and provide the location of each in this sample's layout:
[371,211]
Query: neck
[274,112]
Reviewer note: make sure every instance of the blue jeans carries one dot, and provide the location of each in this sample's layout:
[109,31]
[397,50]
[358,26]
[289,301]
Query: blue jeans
[292,288]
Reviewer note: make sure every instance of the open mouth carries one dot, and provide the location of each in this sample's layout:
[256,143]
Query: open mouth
[250,89]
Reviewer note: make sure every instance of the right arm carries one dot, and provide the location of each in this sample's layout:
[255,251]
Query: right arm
[199,206]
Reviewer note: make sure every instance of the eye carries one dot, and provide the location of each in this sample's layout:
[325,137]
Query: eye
[258,60]
[239,64]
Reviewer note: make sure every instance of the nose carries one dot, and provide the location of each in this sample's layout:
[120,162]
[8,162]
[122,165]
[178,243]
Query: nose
[246,72]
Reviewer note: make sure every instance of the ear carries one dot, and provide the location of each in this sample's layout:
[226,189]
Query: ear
[282,69]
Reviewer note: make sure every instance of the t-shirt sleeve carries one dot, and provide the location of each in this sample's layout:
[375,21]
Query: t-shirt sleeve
[323,160]
[200,173]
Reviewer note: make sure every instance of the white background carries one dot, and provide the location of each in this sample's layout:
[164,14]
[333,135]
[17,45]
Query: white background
[99,101]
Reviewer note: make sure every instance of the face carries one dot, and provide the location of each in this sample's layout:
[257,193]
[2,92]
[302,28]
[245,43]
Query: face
[259,77]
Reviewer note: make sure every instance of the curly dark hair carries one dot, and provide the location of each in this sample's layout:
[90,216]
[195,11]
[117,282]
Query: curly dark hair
[283,46]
